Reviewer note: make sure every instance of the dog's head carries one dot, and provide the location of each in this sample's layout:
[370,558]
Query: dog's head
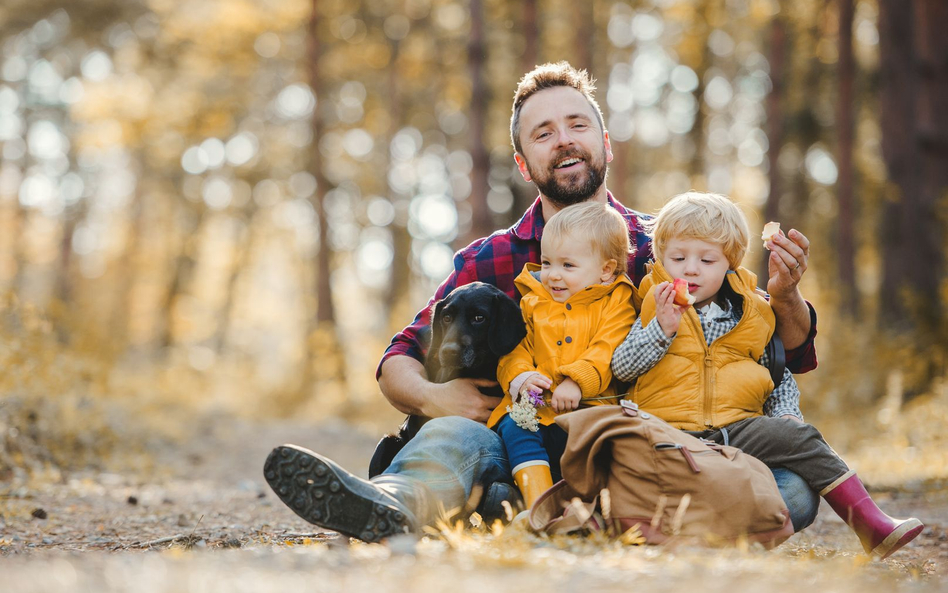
[471,329]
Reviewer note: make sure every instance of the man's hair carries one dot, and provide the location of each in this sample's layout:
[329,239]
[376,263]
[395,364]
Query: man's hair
[598,223]
[704,216]
[549,76]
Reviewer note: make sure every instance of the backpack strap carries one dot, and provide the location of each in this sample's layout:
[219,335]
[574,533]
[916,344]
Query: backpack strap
[778,359]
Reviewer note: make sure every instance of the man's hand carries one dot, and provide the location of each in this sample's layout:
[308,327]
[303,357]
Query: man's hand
[666,311]
[460,397]
[406,386]
[792,417]
[566,396]
[787,263]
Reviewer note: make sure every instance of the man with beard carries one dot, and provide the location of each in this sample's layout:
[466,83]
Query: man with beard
[563,148]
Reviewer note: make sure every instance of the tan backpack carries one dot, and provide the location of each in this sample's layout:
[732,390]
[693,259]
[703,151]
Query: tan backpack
[660,480]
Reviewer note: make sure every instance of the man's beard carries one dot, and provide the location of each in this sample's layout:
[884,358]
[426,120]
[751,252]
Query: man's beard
[575,188]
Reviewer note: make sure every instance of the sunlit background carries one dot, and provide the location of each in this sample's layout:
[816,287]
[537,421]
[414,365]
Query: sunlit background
[231,205]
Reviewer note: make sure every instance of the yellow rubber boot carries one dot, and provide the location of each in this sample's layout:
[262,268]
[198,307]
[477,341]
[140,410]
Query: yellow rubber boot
[533,481]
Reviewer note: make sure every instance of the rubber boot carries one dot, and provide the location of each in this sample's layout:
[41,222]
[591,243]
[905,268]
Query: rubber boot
[880,534]
[321,492]
[533,481]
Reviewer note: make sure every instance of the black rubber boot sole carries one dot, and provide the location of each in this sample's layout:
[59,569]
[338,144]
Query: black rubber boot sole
[326,495]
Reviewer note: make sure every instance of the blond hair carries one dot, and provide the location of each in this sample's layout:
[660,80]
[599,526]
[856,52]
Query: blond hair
[704,216]
[598,223]
[547,76]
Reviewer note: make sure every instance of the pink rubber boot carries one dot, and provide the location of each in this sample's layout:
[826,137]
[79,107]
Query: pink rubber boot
[880,534]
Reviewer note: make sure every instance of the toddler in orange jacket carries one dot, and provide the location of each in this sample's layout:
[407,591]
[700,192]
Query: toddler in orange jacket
[577,305]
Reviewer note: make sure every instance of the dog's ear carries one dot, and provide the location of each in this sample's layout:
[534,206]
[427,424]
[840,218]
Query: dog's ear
[506,325]
[435,334]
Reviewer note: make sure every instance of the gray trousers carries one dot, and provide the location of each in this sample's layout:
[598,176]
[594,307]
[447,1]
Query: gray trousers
[781,442]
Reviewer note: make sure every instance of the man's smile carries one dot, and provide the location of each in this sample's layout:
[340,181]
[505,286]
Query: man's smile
[568,162]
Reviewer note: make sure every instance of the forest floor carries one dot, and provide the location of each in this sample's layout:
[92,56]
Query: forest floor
[201,518]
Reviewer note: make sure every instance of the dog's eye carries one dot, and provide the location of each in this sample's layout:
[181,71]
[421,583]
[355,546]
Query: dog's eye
[479,319]
[447,319]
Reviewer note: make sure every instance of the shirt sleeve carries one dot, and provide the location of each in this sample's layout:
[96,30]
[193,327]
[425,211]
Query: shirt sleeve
[640,351]
[785,399]
[802,359]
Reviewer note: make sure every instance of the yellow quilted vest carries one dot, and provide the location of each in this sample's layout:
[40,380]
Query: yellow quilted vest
[694,387]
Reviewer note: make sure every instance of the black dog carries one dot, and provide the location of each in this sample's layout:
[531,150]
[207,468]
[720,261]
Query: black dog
[470,330]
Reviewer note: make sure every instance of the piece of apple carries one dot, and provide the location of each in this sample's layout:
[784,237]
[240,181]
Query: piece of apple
[683,298]
[770,229]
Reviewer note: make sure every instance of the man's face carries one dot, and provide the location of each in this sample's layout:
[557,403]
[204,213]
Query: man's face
[564,150]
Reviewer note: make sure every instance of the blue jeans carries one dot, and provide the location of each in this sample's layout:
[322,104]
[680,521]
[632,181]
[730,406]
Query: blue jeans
[457,458]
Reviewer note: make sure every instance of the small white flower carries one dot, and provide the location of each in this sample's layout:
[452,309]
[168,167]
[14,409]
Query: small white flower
[524,415]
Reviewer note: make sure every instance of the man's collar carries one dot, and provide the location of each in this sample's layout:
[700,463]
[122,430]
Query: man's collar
[530,227]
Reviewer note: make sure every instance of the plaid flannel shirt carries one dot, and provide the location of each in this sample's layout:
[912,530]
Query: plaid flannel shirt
[644,347]
[498,259]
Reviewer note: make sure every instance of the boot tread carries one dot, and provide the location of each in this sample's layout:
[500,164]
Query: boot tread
[317,490]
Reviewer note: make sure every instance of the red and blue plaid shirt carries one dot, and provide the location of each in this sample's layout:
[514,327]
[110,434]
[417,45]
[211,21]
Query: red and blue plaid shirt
[499,258]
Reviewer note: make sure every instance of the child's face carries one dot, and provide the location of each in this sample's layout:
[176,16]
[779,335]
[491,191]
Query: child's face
[701,263]
[569,265]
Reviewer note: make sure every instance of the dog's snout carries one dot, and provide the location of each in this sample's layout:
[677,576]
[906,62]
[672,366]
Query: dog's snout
[450,353]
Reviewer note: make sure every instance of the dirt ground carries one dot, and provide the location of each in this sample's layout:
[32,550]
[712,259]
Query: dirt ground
[204,520]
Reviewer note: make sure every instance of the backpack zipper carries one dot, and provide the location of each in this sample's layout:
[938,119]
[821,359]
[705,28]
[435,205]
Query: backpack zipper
[689,458]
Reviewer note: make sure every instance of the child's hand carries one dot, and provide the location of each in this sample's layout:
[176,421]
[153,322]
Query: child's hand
[666,311]
[536,383]
[566,396]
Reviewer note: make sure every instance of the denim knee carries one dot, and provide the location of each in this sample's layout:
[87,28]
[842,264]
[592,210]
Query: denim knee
[802,501]
[455,430]
[453,448]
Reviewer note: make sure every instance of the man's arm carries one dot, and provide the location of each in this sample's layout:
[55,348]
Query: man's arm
[404,384]
[786,266]
[796,318]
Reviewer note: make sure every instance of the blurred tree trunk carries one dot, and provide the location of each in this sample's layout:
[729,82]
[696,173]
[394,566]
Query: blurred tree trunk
[913,99]
[931,18]
[696,165]
[531,36]
[775,123]
[325,313]
[322,347]
[585,35]
[897,107]
[184,263]
[120,317]
[482,223]
[20,220]
[845,116]
[401,238]
[244,243]
[64,279]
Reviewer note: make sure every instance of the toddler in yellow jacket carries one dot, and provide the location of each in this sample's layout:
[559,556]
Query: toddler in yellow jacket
[698,366]
[577,305]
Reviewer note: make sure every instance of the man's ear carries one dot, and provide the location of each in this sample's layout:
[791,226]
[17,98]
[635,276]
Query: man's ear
[608,145]
[609,270]
[522,165]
